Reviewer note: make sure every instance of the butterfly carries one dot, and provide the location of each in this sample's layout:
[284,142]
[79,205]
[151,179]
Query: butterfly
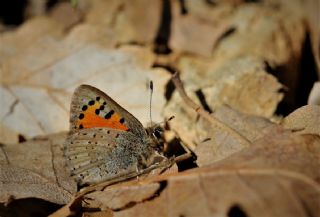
[105,140]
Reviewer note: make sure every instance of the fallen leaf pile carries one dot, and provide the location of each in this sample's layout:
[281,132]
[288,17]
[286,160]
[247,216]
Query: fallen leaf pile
[240,77]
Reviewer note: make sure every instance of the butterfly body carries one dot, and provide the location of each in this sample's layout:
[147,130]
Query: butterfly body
[105,140]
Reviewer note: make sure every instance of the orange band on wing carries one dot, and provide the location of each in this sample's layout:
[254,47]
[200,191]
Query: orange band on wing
[91,120]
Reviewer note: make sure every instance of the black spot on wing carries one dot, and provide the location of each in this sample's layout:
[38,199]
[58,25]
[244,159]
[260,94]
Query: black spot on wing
[97,111]
[122,120]
[109,114]
[85,107]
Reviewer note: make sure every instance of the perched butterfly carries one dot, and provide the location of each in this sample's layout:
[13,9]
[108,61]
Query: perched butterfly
[105,140]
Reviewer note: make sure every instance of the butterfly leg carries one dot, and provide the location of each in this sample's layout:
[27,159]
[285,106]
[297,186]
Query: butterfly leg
[137,171]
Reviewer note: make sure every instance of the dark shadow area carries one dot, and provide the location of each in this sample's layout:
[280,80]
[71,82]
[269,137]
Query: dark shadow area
[161,41]
[21,138]
[169,89]
[203,100]
[12,12]
[308,73]
[298,77]
[183,8]
[236,211]
[28,207]
[175,149]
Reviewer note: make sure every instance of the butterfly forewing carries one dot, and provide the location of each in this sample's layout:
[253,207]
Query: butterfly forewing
[91,108]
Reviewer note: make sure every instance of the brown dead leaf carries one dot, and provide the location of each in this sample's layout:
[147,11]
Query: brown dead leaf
[277,176]
[218,144]
[37,30]
[20,183]
[305,120]
[279,150]
[121,196]
[309,9]
[36,168]
[275,38]
[184,38]
[8,136]
[66,15]
[36,77]
[126,20]
[242,84]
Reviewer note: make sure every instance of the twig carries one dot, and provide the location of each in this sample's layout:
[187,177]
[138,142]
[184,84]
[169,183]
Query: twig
[183,157]
[203,113]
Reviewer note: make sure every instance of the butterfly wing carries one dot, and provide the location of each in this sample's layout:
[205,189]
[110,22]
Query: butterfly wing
[104,138]
[92,108]
[96,154]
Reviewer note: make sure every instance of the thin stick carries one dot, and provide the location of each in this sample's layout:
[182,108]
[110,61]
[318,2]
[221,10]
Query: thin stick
[203,113]
[183,157]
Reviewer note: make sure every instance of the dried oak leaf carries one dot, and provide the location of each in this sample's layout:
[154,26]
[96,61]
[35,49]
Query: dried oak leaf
[241,83]
[37,88]
[126,20]
[192,34]
[218,144]
[36,169]
[305,120]
[277,176]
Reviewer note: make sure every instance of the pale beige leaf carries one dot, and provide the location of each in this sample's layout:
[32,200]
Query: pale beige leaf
[184,38]
[36,168]
[38,90]
[218,144]
[125,19]
[21,183]
[305,120]
[243,84]
[277,176]
[314,96]
[66,15]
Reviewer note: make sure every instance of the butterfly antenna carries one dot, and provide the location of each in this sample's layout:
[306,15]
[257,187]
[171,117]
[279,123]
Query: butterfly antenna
[151,92]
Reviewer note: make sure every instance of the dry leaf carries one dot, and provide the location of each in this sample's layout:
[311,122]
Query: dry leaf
[126,20]
[218,144]
[305,120]
[8,136]
[65,14]
[184,38]
[123,74]
[37,30]
[226,51]
[277,176]
[242,84]
[36,168]
[314,96]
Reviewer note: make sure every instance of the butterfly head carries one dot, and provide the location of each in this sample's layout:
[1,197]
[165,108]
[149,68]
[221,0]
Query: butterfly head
[155,133]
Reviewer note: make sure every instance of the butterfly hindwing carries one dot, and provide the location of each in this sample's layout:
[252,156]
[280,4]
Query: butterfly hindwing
[91,108]
[89,154]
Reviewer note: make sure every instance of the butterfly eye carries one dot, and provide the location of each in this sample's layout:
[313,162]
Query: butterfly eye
[157,133]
